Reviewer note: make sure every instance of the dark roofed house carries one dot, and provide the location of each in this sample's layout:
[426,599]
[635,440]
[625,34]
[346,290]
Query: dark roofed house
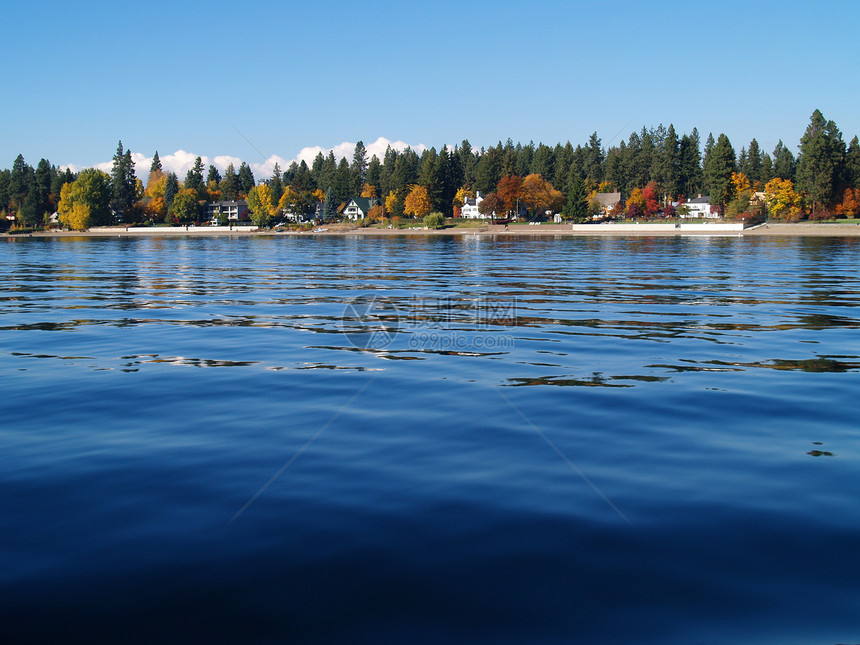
[359,207]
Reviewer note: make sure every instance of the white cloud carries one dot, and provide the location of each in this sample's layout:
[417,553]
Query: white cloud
[181,161]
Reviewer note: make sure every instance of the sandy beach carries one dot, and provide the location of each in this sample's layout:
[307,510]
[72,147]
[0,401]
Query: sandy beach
[807,229]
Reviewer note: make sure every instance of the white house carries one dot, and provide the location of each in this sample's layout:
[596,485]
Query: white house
[233,210]
[606,202]
[358,207]
[470,207]
[700,207]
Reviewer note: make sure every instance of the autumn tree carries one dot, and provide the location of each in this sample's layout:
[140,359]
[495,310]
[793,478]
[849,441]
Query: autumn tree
[86,201]
[368,191]
[540,196]
[509,190]
[261,204]
[417,202]
[850,206]
[782,200]
[491,206]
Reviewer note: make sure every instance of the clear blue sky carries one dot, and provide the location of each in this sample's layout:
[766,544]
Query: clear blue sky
[166,76]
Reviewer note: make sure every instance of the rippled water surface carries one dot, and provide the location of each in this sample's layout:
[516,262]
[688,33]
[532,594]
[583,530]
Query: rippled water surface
[424,440]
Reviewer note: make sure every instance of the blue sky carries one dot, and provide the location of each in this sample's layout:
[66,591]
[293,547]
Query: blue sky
[253,80]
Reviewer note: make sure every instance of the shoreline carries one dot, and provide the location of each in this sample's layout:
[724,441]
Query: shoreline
[599,230]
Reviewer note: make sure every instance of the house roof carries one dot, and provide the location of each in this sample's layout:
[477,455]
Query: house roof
[608,199]
[364,203]
[700,200]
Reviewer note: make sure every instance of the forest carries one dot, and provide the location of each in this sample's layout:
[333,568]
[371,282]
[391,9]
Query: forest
[656,170]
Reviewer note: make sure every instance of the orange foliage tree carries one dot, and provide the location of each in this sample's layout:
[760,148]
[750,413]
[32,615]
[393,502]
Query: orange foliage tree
[539,195]
[509,190]
[850,206]
[417,202]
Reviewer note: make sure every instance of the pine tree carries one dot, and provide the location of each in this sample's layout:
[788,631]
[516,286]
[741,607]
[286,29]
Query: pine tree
[374,174]
[819,169]
[275,184]
[43,178]
[19,181]
[155,166]
[194,176]
[213,175]
[171,188]
[229,184]
[718,172]
[359,167]
[246,179]
[123,183]
[784,165]
[576,207]
[852,164]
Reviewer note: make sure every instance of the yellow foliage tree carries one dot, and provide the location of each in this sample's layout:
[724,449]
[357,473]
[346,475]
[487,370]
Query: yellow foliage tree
[390,202]
[463,193]
[77,217]
[417,202]
[368,191]
[261,204]
[741,183]
[289,200]
[319,195]
[781,198]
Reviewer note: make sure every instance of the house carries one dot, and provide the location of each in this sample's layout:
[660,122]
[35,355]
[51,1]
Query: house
[606,202]
[359,207]
[470,207]
[232,210]
[700,207]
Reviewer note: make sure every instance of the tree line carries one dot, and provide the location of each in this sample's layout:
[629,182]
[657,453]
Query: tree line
[652,169]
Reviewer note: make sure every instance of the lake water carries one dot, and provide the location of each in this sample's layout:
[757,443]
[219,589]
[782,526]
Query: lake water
[430,439]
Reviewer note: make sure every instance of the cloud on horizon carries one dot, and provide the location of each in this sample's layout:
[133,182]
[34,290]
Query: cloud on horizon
[181,161]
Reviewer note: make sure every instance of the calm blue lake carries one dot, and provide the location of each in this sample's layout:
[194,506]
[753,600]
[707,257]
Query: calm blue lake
[430,439]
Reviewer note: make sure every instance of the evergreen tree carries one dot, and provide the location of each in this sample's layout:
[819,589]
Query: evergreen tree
[213,175]
[123,183]
[302,180]
[784,165]
[819,169]
[594,159]
[342,184]
[753,166]
[543,161]
[766,169]
[386,172]
[229,184]
[690,171]
[246,179]
[330,205]
[488,171]
[374,174]
[668,163]
[171,188]
[155,166]
[576,207]
[359,167]
[19,182]
[30,208]
[852,164]
[276,185]
[706,160]
[721,165]
[43,178]
[194,176]
[4,190]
